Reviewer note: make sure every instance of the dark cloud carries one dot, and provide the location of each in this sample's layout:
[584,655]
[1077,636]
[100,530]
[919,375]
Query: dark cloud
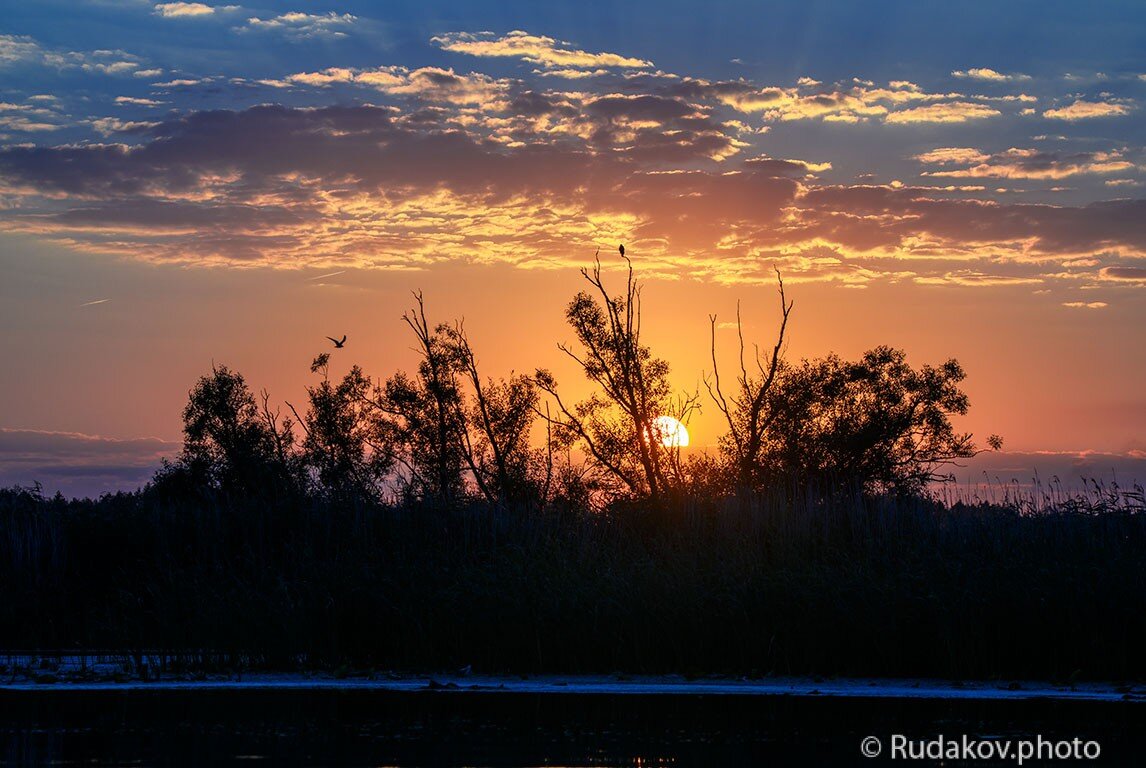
[884,216]
[77,464]
[529,103]
[297,184]
[181,215]
[1016,163]
[1071,472]
[637,108]
[1124,273]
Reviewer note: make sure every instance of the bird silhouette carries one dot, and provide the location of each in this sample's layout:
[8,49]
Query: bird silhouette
[338,344]
[622,250]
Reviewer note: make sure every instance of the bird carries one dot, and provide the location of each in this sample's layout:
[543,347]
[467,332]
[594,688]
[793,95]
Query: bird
[338,344]
[622,250]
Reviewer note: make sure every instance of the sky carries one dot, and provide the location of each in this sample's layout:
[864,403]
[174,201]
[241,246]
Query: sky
[185,184]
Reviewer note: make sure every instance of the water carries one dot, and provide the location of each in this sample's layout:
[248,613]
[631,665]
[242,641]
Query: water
[371,727]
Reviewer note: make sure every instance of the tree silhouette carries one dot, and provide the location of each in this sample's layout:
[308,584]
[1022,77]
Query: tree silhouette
[343,445]
[495,428]
[876,421]
[749,412]
[421,416]
[229,443]
[616,424]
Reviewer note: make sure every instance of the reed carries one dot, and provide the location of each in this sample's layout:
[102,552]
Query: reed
[798,580]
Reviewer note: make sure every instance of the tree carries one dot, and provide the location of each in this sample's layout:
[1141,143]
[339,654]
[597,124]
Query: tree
[750,410]
[495,420]
[343,445]
[876,421]
[617,424]
[229,443]
[421,416]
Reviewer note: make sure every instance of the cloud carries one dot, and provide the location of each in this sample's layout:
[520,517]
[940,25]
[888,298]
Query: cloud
[571,74]
[1016,163]
[21,49]
[948,112]
[1086,110]
[190,10]
[301,26]
[18,48]
[138,102]
[536,49]
[989,75]
[107,62]
[952,155]
[106,126]
[27,124]
[1129,274]
[78,464]
[967,277]
[862,101]
[989,472]
[1086,304]
[430,83]
[382,187]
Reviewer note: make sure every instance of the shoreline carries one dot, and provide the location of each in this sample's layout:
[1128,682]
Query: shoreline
[665,685]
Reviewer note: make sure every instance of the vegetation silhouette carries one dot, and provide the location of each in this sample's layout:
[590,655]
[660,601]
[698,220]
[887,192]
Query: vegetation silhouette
[442,518]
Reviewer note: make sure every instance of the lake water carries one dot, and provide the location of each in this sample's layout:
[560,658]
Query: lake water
[363,726]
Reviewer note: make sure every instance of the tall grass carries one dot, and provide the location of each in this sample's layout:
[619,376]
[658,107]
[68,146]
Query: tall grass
[800,580]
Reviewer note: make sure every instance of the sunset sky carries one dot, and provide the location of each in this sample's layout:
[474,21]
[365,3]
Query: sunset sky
[188,183]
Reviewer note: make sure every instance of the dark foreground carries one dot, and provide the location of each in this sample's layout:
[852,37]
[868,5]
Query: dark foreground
[838,583]
[370,727]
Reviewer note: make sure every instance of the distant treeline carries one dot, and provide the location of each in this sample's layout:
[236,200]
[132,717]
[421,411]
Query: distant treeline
[439,519]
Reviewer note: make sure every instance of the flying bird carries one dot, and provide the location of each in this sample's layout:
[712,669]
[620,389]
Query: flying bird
[622,250]
[338,344]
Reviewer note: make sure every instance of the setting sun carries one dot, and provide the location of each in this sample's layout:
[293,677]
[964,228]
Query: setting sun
[670,432]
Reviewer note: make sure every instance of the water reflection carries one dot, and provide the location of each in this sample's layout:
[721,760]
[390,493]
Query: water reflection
[402,729]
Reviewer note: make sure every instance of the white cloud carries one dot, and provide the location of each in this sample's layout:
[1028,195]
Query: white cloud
[989,75]
[536,49]
[431,83]
[950,112]
[1085,110]
[138,101]
[19,48]
[177,10]
[300,25]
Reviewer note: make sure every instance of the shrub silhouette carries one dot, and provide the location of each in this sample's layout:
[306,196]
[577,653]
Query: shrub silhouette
[877,421]
[343,446]
[229,443]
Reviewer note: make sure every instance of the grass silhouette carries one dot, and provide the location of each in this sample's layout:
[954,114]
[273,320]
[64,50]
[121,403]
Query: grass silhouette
[830,581]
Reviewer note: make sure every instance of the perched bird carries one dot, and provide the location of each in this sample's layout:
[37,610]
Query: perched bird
[622,250]
[338,344]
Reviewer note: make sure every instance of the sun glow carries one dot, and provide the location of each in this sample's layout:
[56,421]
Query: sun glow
[669,432]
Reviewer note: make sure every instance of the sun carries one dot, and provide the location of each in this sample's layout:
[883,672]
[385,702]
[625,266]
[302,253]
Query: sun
[669,432]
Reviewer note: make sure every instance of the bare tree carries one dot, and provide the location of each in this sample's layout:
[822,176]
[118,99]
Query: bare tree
[747,411]
[617,424]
